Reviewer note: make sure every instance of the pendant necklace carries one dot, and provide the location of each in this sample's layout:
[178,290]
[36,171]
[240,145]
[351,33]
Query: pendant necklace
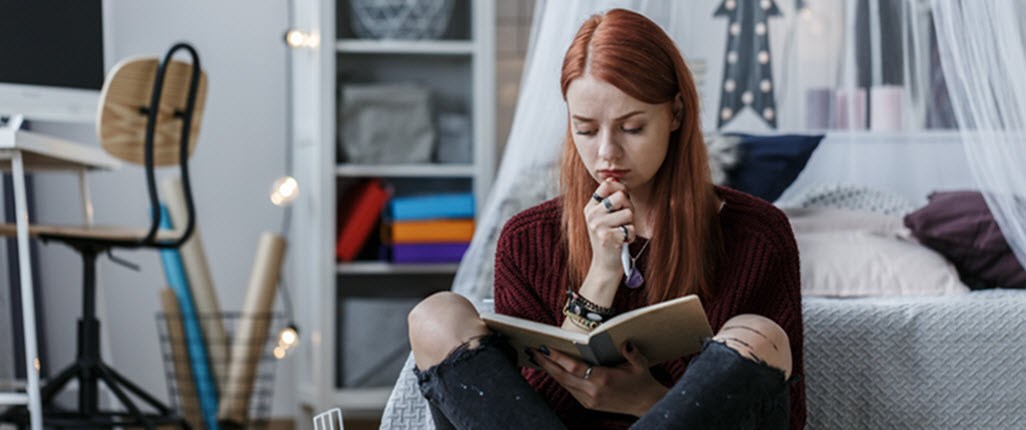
[633,279]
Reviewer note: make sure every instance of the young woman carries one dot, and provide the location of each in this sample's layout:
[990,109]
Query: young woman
[634,172]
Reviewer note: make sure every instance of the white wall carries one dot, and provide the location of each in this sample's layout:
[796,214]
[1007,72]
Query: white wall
[239,154]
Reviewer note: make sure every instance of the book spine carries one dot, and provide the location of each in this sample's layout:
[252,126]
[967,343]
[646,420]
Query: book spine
[437,231]
[442,206]
[205,387]
[357,218]
[429,253]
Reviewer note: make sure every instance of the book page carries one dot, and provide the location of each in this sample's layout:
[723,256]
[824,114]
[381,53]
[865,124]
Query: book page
[663,331]
[522,333]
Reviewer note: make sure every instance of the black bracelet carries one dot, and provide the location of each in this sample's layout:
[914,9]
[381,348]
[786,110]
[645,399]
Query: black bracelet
[586,309]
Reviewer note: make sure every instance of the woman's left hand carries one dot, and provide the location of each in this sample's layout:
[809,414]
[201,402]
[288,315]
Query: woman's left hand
[627,389]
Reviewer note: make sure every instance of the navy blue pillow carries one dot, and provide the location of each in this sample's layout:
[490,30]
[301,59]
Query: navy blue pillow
[769,164]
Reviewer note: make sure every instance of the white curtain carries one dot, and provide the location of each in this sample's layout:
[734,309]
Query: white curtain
[983,54]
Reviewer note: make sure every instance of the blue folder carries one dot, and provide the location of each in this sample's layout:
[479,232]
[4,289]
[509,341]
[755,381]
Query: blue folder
[175,271]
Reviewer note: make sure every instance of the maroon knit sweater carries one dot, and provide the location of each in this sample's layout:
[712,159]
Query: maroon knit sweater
[759,275]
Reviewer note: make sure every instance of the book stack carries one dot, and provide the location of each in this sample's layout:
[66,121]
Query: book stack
[429,229]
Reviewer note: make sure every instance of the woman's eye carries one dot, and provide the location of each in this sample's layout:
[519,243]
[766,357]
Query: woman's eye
[585,132]
[636,130]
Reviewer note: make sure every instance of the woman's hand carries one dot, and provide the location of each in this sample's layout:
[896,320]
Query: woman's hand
[604,231]
[627,389]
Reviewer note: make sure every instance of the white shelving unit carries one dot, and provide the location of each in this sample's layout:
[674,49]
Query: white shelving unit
[460,70]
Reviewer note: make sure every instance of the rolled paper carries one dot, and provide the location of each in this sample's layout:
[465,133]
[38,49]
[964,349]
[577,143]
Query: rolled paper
[851,111]
[885,106]
[208,308]
[252,329]
[180,359]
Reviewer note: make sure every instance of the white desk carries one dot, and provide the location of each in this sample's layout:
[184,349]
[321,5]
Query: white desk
[24,150]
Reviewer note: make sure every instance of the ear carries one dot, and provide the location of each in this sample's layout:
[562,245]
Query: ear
[678,112]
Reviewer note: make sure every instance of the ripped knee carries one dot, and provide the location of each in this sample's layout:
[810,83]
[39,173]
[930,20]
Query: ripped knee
[758,338]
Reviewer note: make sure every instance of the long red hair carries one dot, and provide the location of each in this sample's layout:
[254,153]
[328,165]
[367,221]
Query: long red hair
[633,54]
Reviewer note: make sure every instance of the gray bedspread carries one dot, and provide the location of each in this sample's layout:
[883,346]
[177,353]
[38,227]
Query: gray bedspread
[951,362]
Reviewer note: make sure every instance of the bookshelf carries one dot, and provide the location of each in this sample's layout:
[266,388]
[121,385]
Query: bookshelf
[459,70]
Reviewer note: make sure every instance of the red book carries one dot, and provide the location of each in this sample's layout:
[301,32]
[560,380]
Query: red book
[358,213]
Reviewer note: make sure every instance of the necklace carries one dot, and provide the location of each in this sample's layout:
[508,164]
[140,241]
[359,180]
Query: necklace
[634,278]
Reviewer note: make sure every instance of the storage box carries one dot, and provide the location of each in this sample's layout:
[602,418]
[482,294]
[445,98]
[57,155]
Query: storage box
[385,124]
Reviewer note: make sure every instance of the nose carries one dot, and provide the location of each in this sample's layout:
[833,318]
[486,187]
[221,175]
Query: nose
[609,149]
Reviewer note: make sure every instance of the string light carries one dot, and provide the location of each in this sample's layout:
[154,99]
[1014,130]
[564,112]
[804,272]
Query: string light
[301,39]
[284,191]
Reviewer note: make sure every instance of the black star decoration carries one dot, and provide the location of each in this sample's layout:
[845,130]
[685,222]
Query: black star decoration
[747,69]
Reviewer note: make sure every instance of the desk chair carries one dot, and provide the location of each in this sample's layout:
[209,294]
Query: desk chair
[129,128]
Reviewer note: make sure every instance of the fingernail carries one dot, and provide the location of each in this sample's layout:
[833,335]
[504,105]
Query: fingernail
[544,350]
[630,347]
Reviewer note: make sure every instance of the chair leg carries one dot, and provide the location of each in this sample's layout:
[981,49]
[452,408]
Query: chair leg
[134,389]
[109,379]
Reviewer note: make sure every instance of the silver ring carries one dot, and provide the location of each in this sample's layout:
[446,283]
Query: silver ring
[587,373]
[626,235]
[597,197]
[607,204]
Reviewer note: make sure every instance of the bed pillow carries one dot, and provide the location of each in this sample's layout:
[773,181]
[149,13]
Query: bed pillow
[769,164]
[847,253]
[959,225]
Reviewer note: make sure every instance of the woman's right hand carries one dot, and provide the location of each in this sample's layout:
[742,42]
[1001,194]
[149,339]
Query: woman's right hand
[605,234]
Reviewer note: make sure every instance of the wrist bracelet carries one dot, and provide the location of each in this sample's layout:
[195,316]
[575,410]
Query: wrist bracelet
[587,309]
[579,321]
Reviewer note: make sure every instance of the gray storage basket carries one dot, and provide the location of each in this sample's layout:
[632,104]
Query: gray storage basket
[385,124]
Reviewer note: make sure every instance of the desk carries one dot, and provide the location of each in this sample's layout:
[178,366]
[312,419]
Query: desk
[24,150]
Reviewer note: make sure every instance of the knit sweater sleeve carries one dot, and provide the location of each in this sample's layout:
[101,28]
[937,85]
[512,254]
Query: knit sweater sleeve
[515,293]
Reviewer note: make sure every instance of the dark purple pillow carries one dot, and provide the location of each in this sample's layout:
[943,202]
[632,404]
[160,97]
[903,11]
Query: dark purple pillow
[959,226]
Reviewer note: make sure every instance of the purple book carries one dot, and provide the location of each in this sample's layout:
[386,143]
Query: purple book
[428,252]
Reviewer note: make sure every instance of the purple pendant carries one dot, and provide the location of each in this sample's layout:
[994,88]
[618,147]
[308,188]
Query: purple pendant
[635,279]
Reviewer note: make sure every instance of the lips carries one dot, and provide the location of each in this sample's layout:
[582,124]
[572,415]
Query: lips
[613,173]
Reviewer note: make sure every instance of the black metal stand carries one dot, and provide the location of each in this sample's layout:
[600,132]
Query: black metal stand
[89,369]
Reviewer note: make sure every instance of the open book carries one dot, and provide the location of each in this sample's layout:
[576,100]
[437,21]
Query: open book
[662,331]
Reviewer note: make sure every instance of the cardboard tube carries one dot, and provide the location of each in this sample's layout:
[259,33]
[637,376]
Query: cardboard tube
[251,329]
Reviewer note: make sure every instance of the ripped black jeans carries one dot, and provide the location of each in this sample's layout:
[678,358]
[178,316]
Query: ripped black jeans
[482,388]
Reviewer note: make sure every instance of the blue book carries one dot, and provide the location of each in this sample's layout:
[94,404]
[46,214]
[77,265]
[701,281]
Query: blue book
[175,272]
[437,206]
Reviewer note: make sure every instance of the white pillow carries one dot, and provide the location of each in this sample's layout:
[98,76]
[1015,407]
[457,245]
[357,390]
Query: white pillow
[854,254]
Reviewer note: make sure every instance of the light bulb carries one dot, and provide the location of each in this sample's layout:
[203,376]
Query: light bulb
[279,352]
[284,190]
[296,38]
[301,39]
[288,337]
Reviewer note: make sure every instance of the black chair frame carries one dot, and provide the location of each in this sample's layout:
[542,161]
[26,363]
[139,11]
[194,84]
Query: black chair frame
[88,368]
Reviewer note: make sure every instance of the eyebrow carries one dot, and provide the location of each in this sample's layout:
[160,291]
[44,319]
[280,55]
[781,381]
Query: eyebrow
[621,117]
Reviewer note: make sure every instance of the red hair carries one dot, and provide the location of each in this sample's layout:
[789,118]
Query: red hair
[633,54]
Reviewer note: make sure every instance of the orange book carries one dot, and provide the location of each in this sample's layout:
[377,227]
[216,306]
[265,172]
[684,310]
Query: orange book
[436,231]
[359,210]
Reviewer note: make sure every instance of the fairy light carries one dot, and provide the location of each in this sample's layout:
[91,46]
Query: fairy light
[284,191]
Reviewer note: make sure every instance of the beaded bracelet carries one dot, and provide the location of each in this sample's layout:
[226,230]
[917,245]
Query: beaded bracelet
[587,309]
[578,320]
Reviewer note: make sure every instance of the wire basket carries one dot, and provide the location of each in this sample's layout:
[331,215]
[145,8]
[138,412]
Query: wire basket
[400,19]
[177,366]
